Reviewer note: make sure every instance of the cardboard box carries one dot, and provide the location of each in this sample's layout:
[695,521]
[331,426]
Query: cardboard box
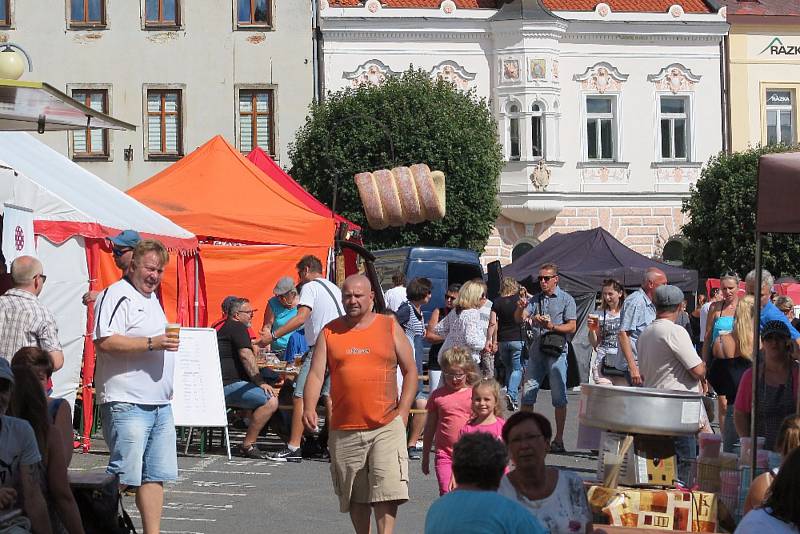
[650,461]
[657,509]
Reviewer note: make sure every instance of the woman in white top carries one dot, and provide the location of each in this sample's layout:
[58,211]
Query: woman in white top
[781,511]
[556,498]
[609,365]
[464,326]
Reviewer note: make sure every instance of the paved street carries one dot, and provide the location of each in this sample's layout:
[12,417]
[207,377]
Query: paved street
[216,496]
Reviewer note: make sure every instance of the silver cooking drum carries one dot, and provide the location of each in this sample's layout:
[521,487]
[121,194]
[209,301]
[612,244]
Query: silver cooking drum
[640,410]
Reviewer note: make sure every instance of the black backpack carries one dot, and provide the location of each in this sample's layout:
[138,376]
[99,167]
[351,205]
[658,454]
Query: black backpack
[100,503]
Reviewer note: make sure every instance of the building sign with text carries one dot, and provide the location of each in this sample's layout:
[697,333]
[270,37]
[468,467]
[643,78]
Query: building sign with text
[778,47]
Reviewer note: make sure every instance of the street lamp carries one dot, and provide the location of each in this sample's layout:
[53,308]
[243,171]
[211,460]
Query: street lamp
[12,63]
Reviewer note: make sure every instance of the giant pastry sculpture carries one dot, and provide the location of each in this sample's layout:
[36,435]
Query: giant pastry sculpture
[403,195]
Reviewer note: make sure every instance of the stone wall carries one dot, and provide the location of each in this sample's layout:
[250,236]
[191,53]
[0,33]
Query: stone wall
[644,229]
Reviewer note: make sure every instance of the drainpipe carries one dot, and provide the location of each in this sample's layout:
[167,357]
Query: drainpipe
[316,38]
[725,81]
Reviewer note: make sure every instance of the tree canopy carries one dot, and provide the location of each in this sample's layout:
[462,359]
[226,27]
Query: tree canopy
[407,119]
[722,211]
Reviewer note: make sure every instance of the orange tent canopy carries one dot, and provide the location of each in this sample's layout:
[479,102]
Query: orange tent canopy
[217,193]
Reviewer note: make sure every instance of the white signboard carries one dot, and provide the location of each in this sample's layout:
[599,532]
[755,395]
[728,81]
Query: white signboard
[198,400]
[17,233]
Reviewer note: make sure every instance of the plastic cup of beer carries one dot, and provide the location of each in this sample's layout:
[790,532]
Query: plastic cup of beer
[298,360]
[173,330]
[594,322]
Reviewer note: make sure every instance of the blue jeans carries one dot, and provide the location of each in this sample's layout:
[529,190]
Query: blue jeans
[686,453]
[510,353]
[141,442]
[245,395]
[300,381]
[538,367]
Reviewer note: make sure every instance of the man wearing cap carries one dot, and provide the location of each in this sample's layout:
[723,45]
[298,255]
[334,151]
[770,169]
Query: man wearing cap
[24,321]
[122,246]
[320,302]
[243,385]
[668,360]
[281,308]
[20,464]
[637,313]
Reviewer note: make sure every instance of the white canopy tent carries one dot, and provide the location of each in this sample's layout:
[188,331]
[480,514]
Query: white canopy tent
[73,211]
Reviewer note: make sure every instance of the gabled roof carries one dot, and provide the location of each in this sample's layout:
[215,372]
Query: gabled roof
[68,200]
[632,6]
[218,193]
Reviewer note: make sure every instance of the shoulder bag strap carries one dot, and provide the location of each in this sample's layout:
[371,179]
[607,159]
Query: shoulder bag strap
[336,302]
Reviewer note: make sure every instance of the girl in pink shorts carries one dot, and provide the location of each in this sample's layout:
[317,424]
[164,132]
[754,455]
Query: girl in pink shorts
[449,408]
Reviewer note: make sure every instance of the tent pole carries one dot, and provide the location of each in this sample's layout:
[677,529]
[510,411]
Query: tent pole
[196,288]
[756,378]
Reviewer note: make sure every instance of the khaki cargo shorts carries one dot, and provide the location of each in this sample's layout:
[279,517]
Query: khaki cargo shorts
[369,466]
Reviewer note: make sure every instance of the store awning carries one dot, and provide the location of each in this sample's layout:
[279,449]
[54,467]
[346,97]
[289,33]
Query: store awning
[37,106]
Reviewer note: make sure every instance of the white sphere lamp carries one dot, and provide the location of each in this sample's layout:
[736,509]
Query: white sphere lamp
[12,62]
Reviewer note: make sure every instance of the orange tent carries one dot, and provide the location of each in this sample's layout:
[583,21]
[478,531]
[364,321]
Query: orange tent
[251,230]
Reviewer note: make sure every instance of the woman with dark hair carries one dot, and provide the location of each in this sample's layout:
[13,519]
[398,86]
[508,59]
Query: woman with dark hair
[436,341]
[780,513]
[29,403]
[777,388]
[40,362]
[609,365]
[556,498]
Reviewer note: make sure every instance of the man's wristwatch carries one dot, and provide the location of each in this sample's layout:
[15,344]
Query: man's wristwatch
[149,343]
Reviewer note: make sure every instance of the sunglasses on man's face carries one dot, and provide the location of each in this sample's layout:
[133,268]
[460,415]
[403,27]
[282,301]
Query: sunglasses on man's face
[119,252]
[546,278]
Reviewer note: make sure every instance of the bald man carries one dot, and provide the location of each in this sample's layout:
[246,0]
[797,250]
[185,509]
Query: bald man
[362,351]
[24,321]
[638,311]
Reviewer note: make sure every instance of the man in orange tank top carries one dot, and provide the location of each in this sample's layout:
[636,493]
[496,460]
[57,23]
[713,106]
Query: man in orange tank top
[362,350]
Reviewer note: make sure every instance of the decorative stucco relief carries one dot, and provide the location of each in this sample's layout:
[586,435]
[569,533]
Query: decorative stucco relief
[677,175]
[601,77]
[448,7]
[373,72]
[674,78]
[452,72]
[604,175]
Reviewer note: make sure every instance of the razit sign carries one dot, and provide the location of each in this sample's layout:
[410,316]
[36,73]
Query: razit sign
[777,48]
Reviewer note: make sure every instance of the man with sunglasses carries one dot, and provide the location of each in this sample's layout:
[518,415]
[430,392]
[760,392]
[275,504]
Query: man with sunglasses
[122,246]
[551,311]
[244,387]
[24,321]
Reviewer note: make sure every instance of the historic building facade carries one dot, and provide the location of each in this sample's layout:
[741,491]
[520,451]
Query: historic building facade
[182,71]
[763,72]
[606,111]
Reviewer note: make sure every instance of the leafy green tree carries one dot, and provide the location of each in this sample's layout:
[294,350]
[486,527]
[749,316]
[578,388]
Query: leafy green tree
[722,211]
[407,119]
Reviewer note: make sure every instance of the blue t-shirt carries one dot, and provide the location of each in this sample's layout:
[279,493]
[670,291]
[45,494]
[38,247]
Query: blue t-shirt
[638,311]
[770,312]
[479,512]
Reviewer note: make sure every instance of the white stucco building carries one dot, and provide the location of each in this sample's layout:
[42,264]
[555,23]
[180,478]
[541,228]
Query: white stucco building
[182,71]
[606,110]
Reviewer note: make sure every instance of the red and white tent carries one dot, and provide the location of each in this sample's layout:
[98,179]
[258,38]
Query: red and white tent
[74,212]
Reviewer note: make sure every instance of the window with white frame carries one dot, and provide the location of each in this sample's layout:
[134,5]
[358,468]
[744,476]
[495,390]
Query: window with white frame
[780,113]
[256,120]
[537,131]
[600,127]
[674,127]
[164,123]
[513,132]
[91,143]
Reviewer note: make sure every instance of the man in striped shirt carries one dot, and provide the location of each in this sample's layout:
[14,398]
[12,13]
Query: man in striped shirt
[24,321]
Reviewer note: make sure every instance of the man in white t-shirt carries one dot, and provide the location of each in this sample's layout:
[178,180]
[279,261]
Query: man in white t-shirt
[135,365]
[667,360]
[320,302]
[397,295]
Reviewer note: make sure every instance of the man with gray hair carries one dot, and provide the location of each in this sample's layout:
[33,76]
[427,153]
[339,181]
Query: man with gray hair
[24,321]
[638,311]
[769,312]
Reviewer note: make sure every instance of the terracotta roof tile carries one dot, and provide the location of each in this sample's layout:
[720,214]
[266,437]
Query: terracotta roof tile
[764,7]
[636,6]
[643,6]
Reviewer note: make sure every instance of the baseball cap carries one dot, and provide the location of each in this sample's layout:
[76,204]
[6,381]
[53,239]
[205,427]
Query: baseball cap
[775,327]
[284,285]
[668,295]
[126,238]
[5,370]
